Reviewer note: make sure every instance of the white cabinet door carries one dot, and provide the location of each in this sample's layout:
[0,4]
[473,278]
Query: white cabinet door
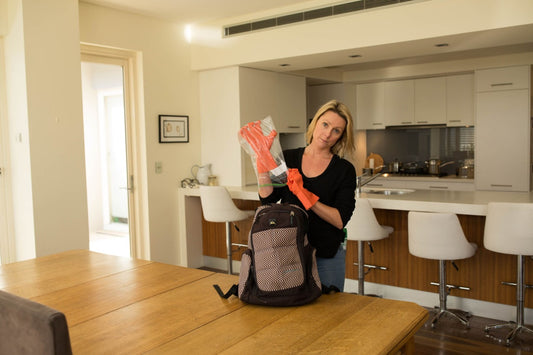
[399,103]
[503,140]
[507,78]
[291,102]
[460,100]
[370,106]
[430,101]
[257,95]
[281,96]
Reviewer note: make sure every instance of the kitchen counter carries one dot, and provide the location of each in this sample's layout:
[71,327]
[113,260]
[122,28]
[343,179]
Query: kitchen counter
[460,202]
[399,281]
[473,203]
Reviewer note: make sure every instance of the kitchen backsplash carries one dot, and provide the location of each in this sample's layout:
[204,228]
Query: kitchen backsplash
[420,144]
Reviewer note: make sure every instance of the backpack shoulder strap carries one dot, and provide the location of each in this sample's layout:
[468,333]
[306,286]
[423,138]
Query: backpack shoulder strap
[234,290]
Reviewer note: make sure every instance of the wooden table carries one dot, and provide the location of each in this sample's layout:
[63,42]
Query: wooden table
[119,305]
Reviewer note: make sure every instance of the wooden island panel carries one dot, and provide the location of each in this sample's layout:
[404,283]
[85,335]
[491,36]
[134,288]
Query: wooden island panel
[483,272]
[214,234]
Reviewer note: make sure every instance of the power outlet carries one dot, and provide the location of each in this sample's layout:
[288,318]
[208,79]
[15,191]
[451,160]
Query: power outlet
[158,167]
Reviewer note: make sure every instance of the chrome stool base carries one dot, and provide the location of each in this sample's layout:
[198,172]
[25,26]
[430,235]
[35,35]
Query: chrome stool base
[515,329]
[458,314]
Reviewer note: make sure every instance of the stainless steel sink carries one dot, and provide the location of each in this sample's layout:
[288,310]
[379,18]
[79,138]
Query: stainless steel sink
[384,191]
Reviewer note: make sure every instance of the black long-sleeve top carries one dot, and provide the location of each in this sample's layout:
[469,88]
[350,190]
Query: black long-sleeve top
[335,187]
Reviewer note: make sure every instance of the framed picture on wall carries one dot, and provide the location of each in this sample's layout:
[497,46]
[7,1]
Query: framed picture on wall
[173,129]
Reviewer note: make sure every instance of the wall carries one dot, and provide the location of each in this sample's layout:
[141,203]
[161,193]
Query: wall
[45,127]
[170,87]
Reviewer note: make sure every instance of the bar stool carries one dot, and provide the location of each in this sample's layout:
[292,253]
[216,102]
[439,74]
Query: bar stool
[218,206]
[509,230]
[439,236]
[364,227]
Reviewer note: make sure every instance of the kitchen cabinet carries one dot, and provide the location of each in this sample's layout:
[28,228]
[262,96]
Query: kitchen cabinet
[233,96]
[281,96]
[506,78]
[502,140]
[399,103]
[503,132]
[317,95]
[430,101]
[460,100]
[370,106]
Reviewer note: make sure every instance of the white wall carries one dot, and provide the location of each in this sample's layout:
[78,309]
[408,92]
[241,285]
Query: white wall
[45,127]
[170,87]
[220,110]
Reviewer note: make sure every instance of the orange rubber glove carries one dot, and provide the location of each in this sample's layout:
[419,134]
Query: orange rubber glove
[296,185]
[261,144]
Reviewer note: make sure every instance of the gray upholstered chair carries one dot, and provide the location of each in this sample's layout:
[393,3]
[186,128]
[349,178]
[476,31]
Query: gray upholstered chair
[28,327]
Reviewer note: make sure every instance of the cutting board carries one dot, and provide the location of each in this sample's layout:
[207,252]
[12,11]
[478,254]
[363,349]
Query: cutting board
[378,161]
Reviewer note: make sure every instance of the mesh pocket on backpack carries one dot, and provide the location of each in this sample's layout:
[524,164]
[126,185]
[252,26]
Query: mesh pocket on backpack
[246,261]
[280,269]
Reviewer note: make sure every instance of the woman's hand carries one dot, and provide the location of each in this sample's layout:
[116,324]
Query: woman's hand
[253,134]
[296,185]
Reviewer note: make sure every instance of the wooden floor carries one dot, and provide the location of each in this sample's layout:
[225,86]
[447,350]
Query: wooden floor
[450,337]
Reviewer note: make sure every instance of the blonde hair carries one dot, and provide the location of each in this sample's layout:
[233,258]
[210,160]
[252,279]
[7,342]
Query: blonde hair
[345,146]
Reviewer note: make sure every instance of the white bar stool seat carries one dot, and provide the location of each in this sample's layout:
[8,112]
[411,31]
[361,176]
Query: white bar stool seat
[364,227]
[218,206]
[439,236]
[509,230]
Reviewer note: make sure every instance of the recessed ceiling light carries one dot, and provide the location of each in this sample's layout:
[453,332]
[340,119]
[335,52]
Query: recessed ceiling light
[442,45]
[355,56]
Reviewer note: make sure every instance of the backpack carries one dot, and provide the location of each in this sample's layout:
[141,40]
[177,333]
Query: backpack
[279,267]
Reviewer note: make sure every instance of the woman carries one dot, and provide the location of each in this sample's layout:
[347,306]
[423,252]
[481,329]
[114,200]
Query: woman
[321,181]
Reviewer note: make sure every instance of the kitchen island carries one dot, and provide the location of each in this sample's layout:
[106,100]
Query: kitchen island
[407,277]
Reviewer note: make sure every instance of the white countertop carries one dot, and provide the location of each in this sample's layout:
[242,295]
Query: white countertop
[459,202]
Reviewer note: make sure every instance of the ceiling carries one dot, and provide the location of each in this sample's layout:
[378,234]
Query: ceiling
[471,45]
[194,11]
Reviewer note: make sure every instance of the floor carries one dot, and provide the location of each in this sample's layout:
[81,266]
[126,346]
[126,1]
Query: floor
[113,239]
[450,337]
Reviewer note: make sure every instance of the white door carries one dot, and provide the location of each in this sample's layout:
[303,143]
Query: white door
[106,152]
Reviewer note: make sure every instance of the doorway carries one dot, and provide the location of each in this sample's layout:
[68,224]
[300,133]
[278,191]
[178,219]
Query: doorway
[106,157]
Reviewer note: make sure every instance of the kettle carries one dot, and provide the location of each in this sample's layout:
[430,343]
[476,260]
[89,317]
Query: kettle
[201,173]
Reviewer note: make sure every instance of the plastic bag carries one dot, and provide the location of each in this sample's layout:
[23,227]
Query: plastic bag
[278,175]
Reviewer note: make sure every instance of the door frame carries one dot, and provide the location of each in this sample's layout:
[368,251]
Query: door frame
[136,147]
[7,233]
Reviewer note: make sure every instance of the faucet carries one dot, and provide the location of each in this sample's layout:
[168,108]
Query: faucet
[361,183]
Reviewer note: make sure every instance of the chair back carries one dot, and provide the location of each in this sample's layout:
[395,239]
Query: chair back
[28,327]
[218,206]
[437,236]
[363,225]
[509,228]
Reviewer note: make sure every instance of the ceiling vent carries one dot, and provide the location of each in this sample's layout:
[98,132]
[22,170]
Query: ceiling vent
[307,15]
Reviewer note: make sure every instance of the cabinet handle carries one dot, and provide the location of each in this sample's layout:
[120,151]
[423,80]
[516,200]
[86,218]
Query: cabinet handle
[500,185]
[439,187]
[406,122]
[377,124]
[293,126]
[421,121]
[501,84]
[454,120]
